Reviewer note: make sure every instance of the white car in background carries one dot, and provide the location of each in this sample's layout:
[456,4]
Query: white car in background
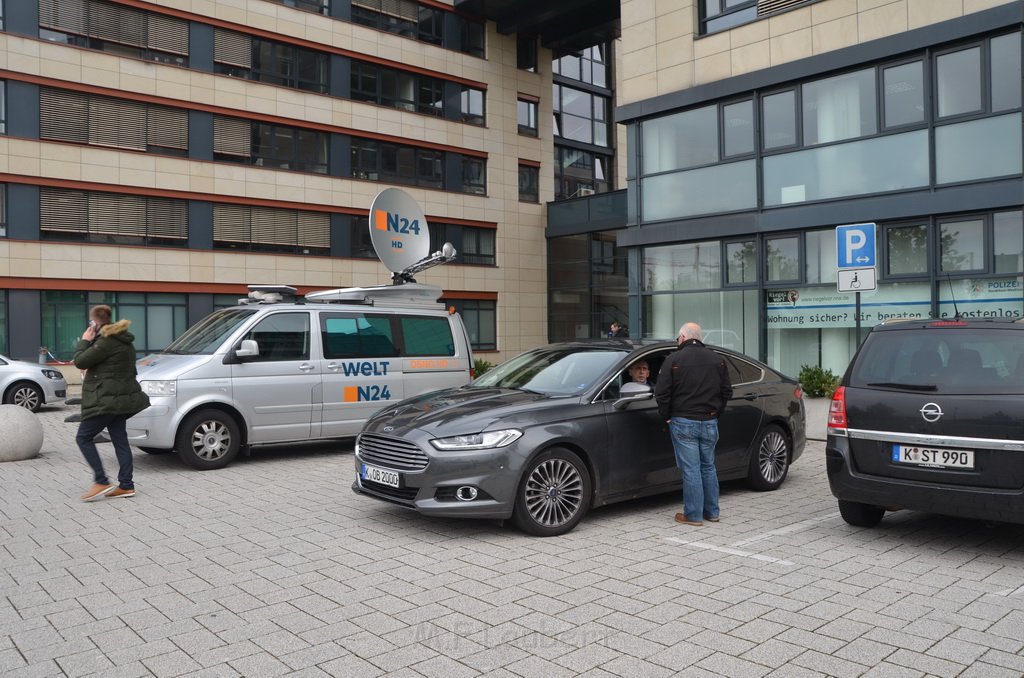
[30,385]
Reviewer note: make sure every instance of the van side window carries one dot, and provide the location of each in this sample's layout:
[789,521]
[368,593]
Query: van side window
[282,336]
[357,336]
[427,336]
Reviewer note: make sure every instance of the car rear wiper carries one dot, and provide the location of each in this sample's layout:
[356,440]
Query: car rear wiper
[912,387]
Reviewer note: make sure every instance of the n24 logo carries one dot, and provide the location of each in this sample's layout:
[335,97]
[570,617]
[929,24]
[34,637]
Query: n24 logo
[373,392]
[400,224]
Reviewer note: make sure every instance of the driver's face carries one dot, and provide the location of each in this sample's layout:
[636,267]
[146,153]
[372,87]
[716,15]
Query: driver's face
[640,373]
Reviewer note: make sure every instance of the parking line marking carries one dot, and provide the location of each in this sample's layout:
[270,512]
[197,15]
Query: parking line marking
[789,529]
[730,551]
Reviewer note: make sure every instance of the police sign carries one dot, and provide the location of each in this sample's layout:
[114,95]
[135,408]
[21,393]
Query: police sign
[855,246]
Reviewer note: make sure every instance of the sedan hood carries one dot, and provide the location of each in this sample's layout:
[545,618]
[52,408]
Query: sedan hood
[464,410]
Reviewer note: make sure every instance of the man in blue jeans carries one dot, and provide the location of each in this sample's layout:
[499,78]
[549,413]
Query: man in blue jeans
[692,390]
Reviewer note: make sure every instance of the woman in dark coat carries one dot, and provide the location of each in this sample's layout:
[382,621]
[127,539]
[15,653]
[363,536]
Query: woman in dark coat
[110,396]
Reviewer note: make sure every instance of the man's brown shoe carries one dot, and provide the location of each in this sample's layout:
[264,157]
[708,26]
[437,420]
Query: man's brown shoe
[118,492]
[680,518]
[98,491]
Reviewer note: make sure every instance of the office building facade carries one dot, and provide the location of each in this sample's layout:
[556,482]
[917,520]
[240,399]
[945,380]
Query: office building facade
[756,128]
[160,155]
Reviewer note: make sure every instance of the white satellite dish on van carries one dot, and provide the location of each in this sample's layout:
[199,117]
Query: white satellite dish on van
[401,237]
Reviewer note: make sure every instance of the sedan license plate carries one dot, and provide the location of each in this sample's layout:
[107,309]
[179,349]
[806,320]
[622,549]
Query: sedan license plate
[380,475]
[933,457]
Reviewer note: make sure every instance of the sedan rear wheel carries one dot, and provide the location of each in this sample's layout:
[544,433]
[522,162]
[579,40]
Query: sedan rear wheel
[553,495]
[769,464]
[25,394]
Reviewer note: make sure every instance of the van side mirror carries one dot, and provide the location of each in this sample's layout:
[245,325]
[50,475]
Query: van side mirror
[632,392]
[248,349]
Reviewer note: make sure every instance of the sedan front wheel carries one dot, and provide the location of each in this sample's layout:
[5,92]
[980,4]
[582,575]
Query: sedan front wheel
[553,495]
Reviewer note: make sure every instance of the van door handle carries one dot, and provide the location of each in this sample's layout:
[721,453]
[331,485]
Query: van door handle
[332,366]
[306,367]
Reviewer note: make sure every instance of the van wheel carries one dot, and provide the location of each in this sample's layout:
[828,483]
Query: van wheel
[553,495]
[153,450]
[208,439]
[25,394]
[860,515]
[769,463]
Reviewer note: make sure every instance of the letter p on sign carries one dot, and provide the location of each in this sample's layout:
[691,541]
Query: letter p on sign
[855,246]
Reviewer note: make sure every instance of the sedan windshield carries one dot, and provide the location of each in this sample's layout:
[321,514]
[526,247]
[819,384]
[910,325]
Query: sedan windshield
[207,336]
[552,371]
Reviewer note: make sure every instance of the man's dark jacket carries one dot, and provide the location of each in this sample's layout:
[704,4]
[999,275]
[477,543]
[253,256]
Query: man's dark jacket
[693,383]
[110,386]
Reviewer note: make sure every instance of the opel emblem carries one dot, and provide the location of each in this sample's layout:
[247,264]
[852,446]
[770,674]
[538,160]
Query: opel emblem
[931,412]
[389,429]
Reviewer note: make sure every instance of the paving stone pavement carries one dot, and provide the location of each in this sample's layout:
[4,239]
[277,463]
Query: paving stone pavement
[274,567]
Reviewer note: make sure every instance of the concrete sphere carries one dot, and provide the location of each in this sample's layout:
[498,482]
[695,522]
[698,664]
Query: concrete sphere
[22,433]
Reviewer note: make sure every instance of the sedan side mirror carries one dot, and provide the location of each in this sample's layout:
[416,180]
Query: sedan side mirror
[248,349]
[632,392]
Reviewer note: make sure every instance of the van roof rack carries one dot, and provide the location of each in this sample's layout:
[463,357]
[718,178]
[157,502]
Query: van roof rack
[270,294]
[409,294]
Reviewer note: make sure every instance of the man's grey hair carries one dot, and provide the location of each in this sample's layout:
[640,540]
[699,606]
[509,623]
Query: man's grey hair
[691,331]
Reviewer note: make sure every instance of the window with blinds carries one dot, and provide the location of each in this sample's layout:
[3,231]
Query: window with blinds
[232,137]
[93,216]
[268,229]
[232,48]
[82,118]
[119,24]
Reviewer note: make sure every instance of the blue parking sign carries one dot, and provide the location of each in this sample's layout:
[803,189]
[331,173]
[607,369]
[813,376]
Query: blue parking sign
[855,246]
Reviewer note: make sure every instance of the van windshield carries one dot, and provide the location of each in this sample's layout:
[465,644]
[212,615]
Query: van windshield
[956,361]
[558,371]
[206,336]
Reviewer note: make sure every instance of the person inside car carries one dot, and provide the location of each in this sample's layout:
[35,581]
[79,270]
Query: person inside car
[640,373]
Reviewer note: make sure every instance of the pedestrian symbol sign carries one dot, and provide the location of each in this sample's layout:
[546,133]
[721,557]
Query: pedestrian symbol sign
[855,246]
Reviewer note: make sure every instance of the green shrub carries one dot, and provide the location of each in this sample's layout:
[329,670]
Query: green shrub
[481,367]
[816,382]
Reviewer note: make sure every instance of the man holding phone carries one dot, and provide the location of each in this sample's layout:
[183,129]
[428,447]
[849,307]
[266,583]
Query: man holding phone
[110,396]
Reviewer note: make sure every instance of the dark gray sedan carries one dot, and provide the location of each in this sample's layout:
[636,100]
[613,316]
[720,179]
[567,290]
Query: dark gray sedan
[549,434]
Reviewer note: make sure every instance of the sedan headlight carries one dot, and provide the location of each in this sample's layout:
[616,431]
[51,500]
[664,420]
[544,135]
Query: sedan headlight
[52,374]
[478,441]
[159,388]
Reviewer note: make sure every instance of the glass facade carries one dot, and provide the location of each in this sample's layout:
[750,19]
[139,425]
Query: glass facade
[870,130]
[582,124]
[156,318]
[788,310]
[588,285]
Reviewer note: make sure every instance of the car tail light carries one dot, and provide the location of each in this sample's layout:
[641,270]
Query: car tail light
[837,409]
[798,393]
[948,323]
[472,373]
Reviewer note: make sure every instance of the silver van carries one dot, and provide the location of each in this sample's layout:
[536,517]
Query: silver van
[278,369]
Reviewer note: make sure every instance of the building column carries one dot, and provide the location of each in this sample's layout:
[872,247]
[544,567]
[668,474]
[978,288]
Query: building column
[199,306]
[22,212]
[26,334]
[22,109]
[22,17]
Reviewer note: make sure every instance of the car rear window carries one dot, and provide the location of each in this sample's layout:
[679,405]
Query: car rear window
[932,360]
